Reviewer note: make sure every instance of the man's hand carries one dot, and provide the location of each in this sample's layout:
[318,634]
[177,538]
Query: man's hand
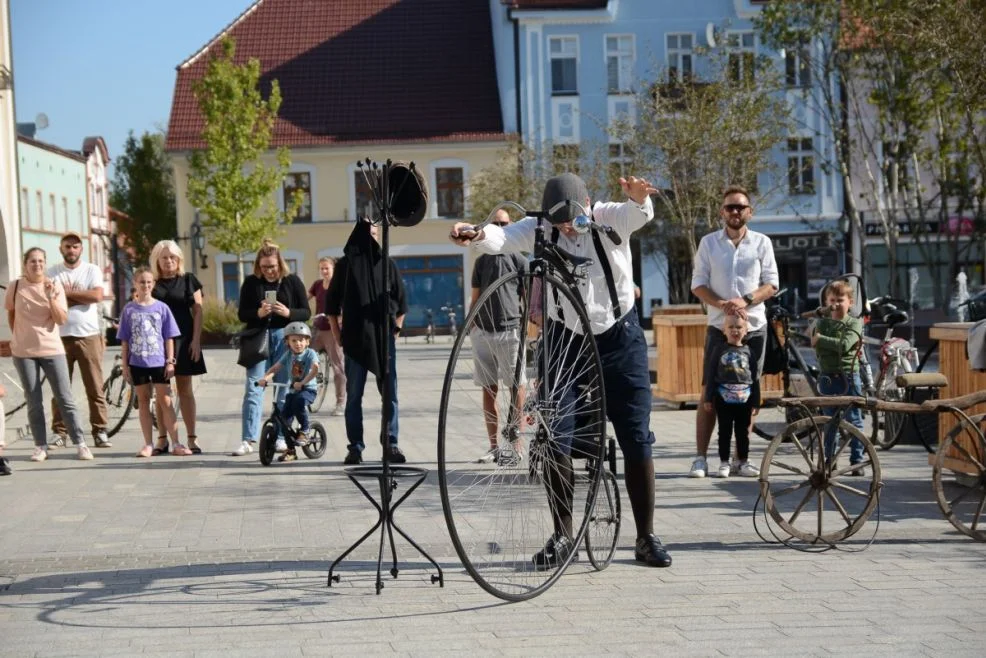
[637,189]
[463,234]
[736,306]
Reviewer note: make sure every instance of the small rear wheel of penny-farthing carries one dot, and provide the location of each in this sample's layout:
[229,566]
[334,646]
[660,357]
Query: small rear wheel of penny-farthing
[812,498]
[959,478]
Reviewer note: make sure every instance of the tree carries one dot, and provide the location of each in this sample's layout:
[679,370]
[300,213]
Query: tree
[143,190]
[228,181]
[695,136]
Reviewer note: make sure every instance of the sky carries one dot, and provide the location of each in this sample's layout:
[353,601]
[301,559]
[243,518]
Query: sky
[106,67]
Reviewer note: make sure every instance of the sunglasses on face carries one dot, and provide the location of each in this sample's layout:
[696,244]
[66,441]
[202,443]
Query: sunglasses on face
[735,207]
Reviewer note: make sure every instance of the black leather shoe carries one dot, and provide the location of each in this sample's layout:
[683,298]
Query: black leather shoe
[651,551]
[396,456]
[353,457]
[556,550]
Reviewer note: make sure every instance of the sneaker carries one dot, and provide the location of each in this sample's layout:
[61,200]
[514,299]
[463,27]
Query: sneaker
[101,440]
[651,552]
[699,467]
[509,457]
[61,440]
[39,454]
[301,439]
[724,469]
[859,471]
[353,457]
[288,456]
[83,452]
[281,446]
[556,550]
[340,410]
[490,456]
[748,470]
[245,449]
[396,456]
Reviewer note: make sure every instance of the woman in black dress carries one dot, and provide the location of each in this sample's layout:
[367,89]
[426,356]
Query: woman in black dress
[182,293]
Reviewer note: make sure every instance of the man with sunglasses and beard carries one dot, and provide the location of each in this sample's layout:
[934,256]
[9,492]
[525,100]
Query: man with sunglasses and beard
[618,336]
[734,273]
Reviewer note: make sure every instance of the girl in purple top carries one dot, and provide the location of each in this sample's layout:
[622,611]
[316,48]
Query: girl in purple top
[147,332]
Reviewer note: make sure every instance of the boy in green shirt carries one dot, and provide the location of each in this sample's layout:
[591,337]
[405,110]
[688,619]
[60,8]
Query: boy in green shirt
[836,340]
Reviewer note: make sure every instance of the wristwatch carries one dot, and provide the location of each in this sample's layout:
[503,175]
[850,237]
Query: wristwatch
[748,298]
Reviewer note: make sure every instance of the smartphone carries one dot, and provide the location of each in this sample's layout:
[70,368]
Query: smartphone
[270,297]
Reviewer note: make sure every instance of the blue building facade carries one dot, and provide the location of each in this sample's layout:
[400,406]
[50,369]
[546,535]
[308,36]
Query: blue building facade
[566,69]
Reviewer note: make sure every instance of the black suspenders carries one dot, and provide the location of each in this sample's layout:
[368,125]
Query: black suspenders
[607,272]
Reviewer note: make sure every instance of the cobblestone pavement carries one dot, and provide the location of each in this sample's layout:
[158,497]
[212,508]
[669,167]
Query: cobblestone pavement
[217,555]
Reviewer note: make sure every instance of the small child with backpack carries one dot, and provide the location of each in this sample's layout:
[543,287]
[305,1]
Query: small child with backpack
[730,394]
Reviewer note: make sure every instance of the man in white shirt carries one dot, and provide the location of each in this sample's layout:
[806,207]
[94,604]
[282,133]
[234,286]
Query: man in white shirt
[734,273]
[621,342]
[83,283]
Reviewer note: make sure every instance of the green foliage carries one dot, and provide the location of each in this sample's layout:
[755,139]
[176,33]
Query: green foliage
[143,189]
[220,318]
[228,181]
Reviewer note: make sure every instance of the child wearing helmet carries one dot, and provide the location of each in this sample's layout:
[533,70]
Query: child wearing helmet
[301,362]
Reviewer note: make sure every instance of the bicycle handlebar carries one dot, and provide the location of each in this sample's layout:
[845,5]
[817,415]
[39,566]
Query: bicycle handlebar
[271,384]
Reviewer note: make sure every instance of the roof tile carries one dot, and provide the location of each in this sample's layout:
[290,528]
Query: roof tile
[361,71]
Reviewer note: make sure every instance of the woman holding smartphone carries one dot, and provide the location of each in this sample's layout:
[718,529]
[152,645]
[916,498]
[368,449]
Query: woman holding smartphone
[270,298]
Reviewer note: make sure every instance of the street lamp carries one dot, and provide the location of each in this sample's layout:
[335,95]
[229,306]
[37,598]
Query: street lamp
[196,237]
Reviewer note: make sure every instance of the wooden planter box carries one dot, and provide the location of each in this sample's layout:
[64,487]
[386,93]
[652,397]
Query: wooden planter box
[673,309]
[680,343]
[954,364]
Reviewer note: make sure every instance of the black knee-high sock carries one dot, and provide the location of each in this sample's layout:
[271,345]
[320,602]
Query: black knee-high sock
[560,484]
[639,480]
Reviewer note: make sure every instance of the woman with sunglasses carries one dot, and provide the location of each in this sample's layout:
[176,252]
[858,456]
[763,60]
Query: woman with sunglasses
[270,298]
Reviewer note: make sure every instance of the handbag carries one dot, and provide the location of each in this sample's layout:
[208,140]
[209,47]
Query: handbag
[254,345]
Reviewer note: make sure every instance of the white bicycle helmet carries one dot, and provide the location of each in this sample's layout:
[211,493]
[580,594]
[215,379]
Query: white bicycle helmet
[297,329]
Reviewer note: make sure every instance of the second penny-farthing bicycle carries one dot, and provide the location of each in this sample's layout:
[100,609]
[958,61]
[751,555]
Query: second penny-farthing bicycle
[547,392]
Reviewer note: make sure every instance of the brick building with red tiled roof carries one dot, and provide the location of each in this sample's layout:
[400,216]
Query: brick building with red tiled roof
[401,79]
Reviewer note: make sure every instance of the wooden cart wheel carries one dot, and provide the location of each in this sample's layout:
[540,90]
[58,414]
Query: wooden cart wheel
[816,500]
[960,478]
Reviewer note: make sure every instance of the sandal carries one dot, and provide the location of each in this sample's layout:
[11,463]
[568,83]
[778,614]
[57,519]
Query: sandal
[193,444]
[178,450]
[158,450]
[146,451]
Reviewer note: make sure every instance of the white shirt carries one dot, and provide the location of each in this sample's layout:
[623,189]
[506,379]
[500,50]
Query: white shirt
[625,218]
[733,271]
[83,320]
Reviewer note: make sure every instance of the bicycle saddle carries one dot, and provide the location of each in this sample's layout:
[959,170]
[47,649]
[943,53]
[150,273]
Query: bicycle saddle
[896,316]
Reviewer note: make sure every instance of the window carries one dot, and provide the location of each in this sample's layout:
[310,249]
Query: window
[82,214]
[450,192]
[742,56]
[364,196]
[619,63]
[564,53]
[679,56]
[41,211]
[796,71]
[431,282]
[64,214]
[299,181]
[52,209]
[800,166]
[565,157]
[619,163]
[25,208]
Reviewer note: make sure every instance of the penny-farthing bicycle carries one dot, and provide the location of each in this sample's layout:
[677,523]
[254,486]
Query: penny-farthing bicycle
[544,391]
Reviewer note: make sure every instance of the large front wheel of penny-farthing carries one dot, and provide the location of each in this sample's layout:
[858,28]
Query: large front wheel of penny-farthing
[812,498]
[959,478]
[543,391]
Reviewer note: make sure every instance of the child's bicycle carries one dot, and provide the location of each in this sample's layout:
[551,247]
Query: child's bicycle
[276,424]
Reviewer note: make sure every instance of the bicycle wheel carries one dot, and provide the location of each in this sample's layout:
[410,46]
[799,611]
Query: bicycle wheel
[814,499]
[604,523]
[500,513]
[14,401]
[962,498]
[322,380]
[317,440]
[119,402]
[267,444]
[888,425]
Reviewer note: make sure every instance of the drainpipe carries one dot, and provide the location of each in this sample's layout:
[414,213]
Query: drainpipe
[517,103]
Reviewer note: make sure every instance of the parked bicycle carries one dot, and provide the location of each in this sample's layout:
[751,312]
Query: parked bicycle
[449,310]
[429,326]
[324,377]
